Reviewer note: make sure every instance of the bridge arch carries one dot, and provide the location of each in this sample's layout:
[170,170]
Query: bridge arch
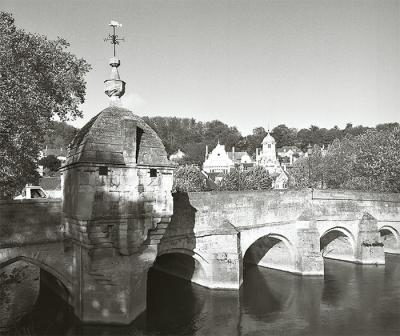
[391,239]
[66,283]
[272,250]
[338,243]
[26,282]
[43,266]
[184,263]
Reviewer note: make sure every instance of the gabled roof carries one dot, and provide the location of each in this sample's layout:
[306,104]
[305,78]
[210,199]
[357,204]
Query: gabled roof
[237,155]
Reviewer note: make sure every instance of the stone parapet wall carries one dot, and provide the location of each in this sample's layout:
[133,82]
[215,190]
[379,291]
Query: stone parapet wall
[27,222]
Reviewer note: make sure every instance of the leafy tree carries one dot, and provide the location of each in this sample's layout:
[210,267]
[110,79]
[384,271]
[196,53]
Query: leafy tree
[256,178]
[369,161]
[387,126]
[307,171]
[195,153]
[253,141]
[50,162]
[39,79]
[188,178]
[284,136]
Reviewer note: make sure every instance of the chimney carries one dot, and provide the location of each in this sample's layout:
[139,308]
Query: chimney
[206,152]
[233,153]
[256,152]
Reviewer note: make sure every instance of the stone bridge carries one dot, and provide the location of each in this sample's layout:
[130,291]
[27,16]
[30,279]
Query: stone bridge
[209,239]
[286,230]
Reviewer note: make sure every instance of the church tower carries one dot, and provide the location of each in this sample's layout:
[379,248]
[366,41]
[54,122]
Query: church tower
[267,157]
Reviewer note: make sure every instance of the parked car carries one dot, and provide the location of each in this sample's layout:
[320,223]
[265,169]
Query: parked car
[30,192]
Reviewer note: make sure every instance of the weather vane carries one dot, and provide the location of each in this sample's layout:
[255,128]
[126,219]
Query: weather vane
[113,38]
[114,86]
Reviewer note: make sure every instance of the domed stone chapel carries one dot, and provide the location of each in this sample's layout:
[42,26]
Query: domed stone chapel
[116,184]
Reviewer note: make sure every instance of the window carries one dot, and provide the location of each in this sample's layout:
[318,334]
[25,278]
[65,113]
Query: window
[153,172]
[37,193]
[103,171]
[269,145]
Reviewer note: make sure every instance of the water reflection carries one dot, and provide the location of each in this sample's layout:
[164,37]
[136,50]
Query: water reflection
[350,299]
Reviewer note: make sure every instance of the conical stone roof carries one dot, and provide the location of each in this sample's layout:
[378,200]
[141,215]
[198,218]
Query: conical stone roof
[103,141]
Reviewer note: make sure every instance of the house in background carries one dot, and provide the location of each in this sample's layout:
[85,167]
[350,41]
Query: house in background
[289,154]
[218,160]
[59,153]
[177,156]
[241,160]
[281,180]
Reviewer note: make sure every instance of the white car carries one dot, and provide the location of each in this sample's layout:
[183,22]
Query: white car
[30,192]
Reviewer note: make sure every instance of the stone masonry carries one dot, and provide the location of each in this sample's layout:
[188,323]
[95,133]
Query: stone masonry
[117,189]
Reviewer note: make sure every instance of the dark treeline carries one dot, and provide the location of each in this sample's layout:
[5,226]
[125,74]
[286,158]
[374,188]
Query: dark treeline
[59,135]
[192,136]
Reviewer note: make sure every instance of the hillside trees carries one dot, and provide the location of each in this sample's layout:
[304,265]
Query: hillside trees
[193,136]
[59,135]
[39,79]
[369,161]
[284,136]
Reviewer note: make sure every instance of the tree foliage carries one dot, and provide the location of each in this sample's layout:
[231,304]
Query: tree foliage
[39,79]
[50,162]
[369,161]
[59,135]
[188,178]
[256,178]
[193,136]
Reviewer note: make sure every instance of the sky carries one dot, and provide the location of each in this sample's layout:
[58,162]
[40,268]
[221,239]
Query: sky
[247,63]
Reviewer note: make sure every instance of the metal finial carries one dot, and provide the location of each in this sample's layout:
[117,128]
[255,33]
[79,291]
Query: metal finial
[114,87]
[113,38]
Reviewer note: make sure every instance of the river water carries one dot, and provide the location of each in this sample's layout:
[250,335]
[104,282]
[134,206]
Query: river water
[349,300]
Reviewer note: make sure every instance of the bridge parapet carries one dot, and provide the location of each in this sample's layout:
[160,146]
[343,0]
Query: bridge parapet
[282,229]
[27,222]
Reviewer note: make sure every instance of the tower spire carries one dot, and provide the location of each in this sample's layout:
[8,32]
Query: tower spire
[114,86]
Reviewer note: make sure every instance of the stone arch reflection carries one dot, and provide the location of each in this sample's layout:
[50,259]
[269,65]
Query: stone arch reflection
[267,291]
[174,302]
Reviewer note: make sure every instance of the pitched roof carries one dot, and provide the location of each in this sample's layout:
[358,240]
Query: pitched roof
[237,155]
